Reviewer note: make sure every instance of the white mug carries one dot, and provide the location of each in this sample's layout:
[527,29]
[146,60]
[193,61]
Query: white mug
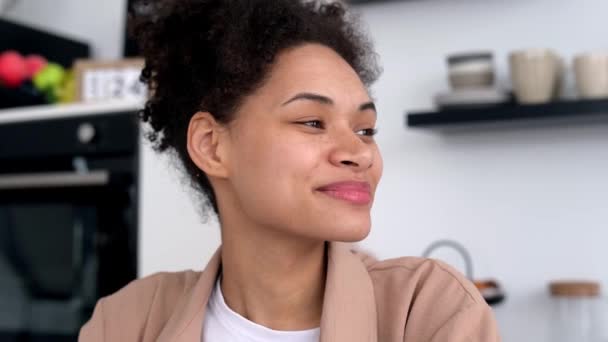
[536,75]
[591,72]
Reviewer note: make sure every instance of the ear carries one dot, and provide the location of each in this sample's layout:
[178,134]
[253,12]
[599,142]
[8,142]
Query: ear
[206,140]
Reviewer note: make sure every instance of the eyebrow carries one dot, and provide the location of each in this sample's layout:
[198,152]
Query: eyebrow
[326,101]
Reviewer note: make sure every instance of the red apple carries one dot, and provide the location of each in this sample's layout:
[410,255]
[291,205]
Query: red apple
[34,64]
[13,69]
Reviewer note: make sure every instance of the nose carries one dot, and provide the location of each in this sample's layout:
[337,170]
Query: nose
[351,151]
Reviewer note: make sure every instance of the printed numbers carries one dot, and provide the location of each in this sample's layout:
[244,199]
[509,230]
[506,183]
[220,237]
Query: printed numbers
[104,84]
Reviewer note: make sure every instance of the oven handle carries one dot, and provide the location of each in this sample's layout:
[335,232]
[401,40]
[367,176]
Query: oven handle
[54,179]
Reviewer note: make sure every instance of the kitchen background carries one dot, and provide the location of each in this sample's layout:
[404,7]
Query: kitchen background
[529,203]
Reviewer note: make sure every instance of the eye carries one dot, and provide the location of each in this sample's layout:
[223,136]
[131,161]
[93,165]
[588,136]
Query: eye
[368,132]
[313,123]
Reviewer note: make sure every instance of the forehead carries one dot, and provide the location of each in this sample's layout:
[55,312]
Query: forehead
[315,68]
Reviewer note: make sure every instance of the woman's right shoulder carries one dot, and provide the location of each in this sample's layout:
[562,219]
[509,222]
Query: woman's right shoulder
[139,306]
[144,290]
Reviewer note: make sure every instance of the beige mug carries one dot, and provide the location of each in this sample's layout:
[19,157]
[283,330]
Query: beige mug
[536,75]
[591,73]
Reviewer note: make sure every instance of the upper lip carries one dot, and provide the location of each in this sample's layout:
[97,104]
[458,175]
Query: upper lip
[347,186]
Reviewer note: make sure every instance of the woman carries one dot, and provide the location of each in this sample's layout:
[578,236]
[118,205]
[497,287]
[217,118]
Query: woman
[266,105]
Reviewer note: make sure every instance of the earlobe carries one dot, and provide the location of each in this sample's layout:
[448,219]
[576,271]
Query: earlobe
[204,144]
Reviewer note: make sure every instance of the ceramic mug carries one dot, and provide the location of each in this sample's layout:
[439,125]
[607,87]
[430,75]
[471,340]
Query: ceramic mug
[536,75]
[472,70]
[591,72]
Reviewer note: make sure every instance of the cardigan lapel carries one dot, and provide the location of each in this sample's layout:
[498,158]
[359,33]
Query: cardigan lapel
[187,323]
[349,307]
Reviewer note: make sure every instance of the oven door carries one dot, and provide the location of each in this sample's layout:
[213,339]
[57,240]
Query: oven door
[66,238]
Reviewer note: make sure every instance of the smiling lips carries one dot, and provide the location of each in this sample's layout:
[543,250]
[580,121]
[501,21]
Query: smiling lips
[353,192]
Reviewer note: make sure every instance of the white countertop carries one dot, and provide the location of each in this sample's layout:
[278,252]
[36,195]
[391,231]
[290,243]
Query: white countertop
[20,114]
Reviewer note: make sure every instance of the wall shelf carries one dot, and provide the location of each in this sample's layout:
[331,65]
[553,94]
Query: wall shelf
[508,113]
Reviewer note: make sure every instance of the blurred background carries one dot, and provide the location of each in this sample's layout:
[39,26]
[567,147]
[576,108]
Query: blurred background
[493,120]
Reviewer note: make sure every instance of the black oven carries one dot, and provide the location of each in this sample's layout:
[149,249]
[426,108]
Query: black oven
[68,220]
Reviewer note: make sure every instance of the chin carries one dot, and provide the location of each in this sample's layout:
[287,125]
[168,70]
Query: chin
[349,233]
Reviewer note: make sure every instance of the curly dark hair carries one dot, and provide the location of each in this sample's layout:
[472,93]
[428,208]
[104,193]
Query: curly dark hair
[207,55]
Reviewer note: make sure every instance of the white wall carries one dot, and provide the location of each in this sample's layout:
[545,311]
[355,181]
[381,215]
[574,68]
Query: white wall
[100,23]
[172,237]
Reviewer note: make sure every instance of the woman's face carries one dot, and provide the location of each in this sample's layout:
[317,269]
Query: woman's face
[302,158]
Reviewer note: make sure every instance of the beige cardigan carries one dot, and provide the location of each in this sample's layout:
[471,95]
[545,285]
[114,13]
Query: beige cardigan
[399,300]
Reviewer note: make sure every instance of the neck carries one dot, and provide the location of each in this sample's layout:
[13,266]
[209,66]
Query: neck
[272,279]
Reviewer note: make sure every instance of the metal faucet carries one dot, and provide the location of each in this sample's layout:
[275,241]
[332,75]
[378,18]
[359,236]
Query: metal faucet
[456,246]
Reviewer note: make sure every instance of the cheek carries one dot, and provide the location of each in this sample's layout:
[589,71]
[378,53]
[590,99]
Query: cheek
[378,166]
[274,162]
[273,177]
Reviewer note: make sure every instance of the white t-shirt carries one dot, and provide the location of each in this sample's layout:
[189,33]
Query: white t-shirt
[224,325]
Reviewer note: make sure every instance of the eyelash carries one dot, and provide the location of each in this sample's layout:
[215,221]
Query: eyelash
[370,131]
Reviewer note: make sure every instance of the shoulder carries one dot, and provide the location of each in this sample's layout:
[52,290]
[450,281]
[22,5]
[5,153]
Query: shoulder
[143,291]
[421,276]
[420,299]
[143,304]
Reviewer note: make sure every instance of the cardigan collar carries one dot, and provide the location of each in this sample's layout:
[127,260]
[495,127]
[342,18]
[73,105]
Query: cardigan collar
[349,306]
